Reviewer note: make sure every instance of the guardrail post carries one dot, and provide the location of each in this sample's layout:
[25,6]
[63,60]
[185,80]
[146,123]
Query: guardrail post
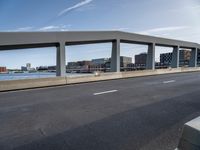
[60,60]
[151,57]
[115,57]
[193,59]
[175,57]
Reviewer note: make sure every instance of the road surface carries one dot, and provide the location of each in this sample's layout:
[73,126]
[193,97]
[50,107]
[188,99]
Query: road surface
[145,113]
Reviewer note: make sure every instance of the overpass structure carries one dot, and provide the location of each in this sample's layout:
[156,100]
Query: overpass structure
[21,40]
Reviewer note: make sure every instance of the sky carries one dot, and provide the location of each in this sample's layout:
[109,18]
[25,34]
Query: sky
[176,19]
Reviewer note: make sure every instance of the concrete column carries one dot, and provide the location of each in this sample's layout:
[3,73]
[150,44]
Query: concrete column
[193,59]
[150,64]
[175,57]
[60,60]
[115,56]
[198,57]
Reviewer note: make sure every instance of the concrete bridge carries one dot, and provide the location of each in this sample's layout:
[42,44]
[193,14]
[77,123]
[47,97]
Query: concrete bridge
[21,40]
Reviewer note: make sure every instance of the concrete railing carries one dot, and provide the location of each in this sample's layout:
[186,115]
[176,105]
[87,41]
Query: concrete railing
[190,139]
[56,81]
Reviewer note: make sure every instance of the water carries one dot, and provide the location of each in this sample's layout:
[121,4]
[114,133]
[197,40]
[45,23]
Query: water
[19,76]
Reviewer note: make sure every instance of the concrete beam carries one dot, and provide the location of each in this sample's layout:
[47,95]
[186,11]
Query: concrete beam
[144,39]
[115,56]
[175,57]
[9,40]
[151,57]
[60,60]
[27,46]
[193,59]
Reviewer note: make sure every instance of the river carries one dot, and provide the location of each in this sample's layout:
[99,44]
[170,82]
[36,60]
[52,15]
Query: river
[19,76]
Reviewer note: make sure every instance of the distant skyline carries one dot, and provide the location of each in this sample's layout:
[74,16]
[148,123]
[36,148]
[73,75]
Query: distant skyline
[166,18]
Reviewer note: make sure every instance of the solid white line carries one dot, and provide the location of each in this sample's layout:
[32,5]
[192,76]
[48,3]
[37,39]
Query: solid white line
[171,81]
[105,92]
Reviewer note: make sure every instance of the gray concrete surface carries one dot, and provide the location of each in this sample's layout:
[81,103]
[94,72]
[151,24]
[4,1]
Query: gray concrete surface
[60,60]
[145,113]
[151,57]
[115,56]
[175,57]
[8,40]
[193,60]
[190,138]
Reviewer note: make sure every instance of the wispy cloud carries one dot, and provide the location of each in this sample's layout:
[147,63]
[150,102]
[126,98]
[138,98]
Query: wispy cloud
[113,29]
[180,9]
[25,29]
[45,28]
[163,30]
[120,29]
[78,5]
[21,29]
[55,28]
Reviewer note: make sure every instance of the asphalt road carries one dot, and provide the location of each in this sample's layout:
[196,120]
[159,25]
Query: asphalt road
[145,113]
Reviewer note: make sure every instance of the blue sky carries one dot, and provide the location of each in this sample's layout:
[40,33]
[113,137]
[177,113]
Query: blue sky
[177,19]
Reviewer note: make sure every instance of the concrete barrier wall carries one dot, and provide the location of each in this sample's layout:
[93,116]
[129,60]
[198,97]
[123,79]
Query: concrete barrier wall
[100,77]
[45,82]
[190,139]
[31,83]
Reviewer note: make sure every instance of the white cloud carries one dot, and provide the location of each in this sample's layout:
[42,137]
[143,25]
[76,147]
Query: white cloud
[78,5]
[162,30]
[25,29]
[55,28]
[21,29]
[120,29]
[113,29]
[192,8]
[48,28]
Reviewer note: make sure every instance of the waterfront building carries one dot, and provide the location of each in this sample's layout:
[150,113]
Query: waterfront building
[141,60]
[42,68]
[124,61]
[100,64]
[3,69]
[51,68]
[84,63]
[79,66]
[28,66]
[165,59]
[100,61]
[23,68]
[184,57]
[72,64]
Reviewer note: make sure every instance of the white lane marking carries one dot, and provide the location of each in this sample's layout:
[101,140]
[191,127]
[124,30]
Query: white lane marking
[171,81]
[105,92]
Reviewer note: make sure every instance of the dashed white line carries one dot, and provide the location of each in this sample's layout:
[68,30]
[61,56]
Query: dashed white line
[105,92]
[170,81]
